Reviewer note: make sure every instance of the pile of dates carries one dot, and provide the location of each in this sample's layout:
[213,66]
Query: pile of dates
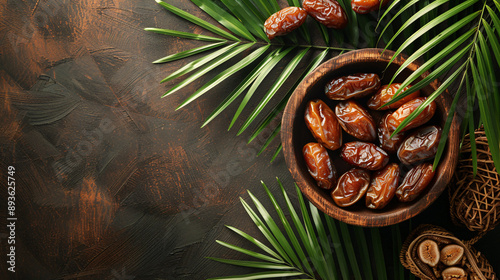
[381,166]
[439,258]
[327,12]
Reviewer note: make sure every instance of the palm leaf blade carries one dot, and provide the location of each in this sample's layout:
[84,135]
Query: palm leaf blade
[276,152]
[323,240]
[335,237]
[256,242]
[433,23]
[225,74]
[276,231]
[269,139]
[260,275]
[378,253]
[416,16]
[266,231]
[251,22]
[274,88]
[188,53]
[182,34]
[281,105]
[351,255]
[430,99]
[447,125]
[365,255]
[254,264]
[317,257]
[261,76]
[196,20]
[248,252]
[224,18]
[240,88]
[228,55]
[434,74]
[193,65]
[436,40]
[289,230]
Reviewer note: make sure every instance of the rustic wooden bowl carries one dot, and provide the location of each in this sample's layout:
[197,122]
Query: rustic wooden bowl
[294,135]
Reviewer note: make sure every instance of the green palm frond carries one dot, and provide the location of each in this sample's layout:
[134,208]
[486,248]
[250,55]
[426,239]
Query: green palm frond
[469,60]
[244,20]
[310,244]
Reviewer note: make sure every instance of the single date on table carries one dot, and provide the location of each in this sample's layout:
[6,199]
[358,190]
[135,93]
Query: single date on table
[11,218]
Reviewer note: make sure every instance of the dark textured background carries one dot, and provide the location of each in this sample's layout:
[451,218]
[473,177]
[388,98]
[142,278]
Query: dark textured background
[112,182]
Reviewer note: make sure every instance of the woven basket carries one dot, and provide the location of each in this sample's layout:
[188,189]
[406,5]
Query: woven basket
[475,201]
[476,265]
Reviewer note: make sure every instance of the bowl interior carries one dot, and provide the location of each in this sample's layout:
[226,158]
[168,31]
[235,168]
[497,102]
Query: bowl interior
[295,135]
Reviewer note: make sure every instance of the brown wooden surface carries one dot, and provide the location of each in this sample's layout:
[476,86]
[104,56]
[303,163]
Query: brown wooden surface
[295,135]
[153,191]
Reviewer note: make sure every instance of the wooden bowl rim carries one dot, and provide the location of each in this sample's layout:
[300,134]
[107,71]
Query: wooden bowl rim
[444,170]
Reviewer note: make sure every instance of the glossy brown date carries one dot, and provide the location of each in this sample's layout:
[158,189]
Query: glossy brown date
[415,181]
[387,143]
[352,86]
[386,93]
[356,120]
[364,155]
[323,124]
[327,12]
[382,187]
[284,21]
[351,187]
[366,6]
[396,118]
[420,146]
[319,165]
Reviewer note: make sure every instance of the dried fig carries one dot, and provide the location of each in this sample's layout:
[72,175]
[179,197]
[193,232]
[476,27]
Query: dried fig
[452,254]
[428,252]
[454,273]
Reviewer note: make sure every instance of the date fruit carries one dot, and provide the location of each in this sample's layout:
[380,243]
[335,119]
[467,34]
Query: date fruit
[364,155]
[328,12]
[319,165]
[386,93]
[356,120]
[351,187]
[420,146]
[382,187]
[352,86]
[284,21]
[387,143]
[366,6]
[415,181]
[323,124]
[396,118]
